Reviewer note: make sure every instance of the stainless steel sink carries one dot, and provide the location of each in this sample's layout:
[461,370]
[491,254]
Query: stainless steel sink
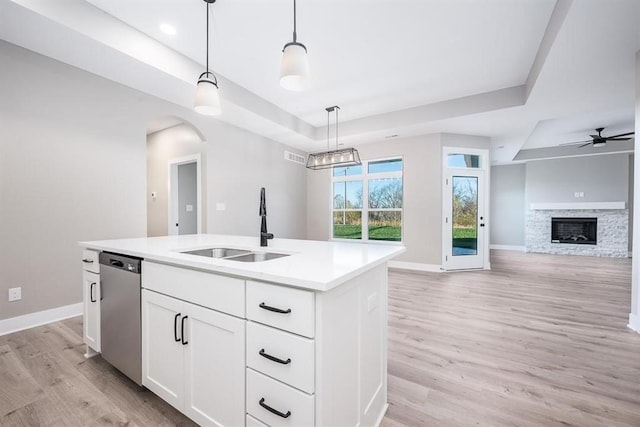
[235,254]
[217,252]
[257,256]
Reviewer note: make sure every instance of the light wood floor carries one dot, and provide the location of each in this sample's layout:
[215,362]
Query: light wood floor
[540,340]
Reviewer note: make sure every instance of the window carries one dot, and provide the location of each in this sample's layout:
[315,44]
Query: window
[367,201]
[466,161]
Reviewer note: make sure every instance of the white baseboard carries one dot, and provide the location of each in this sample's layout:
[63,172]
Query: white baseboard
[634,322]
[508,248]
[433,268]
[31,320]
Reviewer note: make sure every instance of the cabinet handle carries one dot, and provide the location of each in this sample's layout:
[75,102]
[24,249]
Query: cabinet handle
[273,358]
[175,327]
[88,261]
[93,284]
[275,310]
[182,331]
[274,411]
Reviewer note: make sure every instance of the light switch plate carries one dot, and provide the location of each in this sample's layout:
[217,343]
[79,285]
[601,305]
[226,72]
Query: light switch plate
[372,301]
[189,208]
[220,206]
[15,294]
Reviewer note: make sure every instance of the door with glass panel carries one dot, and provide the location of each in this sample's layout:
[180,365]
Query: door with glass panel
[464,219]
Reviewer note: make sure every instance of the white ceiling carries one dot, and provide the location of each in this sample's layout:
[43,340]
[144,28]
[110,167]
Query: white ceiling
[521,72]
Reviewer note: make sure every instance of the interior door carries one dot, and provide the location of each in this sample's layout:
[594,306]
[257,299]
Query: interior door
[464,219]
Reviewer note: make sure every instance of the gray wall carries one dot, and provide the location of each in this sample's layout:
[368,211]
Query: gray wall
[175,142]
[508,205]
[187,195]
[239,163]
[72,168]
[603,178]
[422,214]
[72,157]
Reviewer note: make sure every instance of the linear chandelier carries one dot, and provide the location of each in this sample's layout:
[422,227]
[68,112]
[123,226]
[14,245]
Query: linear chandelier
[207,98]
[331,158]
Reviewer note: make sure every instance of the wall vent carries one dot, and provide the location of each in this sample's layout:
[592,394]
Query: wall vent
[295,158]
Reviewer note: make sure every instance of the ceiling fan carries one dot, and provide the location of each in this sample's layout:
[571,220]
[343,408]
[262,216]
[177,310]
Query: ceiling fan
[599,140]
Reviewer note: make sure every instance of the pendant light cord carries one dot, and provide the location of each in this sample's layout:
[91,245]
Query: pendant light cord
[295,36]
[207,4]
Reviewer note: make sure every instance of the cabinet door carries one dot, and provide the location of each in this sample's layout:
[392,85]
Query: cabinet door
[91,321]
[162,355]
[215,367]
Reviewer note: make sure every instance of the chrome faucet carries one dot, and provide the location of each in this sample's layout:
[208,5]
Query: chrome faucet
[264,235]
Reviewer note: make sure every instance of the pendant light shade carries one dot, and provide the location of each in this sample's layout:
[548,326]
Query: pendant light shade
[207,98]
[331,158]
[294,71]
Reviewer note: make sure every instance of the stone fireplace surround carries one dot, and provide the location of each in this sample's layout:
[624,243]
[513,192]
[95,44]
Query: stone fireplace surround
[613,228]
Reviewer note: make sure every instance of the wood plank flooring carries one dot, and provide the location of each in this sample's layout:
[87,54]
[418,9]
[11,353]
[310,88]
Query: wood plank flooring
[540,340]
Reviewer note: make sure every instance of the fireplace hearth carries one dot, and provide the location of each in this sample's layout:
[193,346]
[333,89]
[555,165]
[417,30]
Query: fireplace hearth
[581,231]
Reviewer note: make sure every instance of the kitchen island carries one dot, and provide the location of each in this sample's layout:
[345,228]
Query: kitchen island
[232,336]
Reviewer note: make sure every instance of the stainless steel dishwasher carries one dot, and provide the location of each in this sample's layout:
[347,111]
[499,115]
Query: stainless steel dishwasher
[120,325]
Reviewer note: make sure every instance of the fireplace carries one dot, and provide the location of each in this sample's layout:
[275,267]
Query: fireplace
[581,231]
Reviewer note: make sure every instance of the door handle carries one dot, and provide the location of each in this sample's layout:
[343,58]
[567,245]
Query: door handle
[275,310]
[91,297]
[274,411]
[175,327]
[182,331]
[273,358]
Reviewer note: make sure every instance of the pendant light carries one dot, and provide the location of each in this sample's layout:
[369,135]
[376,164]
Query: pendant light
[207,97]
[338,157]
[294,71]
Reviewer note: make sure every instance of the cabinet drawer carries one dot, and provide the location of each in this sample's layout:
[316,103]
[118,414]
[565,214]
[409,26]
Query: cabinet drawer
[294,349]
[279,397]
[285,308]
[90,261]
[252,422]
[221,293]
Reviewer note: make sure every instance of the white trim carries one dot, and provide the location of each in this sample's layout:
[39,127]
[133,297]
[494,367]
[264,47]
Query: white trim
[578,205]
[433,268]
[509,248]
[31,320]
[634,322]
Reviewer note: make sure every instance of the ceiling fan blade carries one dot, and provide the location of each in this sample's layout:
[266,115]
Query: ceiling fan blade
[595,136]
[584,145]
[617,139]
[622,134]
[576,142]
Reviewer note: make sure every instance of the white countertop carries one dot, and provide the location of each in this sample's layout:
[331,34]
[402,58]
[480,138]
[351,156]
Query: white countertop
[311,265]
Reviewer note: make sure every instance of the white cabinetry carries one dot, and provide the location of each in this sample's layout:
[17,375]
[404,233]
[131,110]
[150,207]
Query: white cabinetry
[91,300]
[193,357]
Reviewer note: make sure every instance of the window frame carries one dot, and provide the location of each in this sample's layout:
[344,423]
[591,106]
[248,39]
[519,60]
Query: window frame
[364,177]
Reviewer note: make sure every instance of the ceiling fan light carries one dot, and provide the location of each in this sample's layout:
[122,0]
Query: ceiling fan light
[294,70]
[599,144]
[207,98]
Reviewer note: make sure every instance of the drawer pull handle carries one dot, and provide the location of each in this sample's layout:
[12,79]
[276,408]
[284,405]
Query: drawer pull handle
[275,310]
[175,327]
[182,331]
[88,261]
[93,285]
[274,411]
[273,358]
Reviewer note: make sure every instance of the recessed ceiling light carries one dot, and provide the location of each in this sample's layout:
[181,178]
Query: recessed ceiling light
[168,29]
[395,135]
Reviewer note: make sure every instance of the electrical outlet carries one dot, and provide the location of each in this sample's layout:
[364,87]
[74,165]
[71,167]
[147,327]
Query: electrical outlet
[15,294]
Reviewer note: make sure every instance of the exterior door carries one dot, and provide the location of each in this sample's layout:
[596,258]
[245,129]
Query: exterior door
[464,229]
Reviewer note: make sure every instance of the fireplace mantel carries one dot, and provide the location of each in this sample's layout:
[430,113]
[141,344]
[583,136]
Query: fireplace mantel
[578,205]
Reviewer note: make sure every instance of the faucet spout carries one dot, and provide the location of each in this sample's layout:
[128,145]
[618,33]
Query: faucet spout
[264,234]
